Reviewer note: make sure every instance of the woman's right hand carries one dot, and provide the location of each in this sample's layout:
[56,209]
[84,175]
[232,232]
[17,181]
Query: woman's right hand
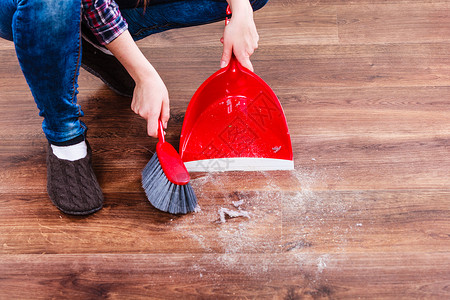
[150,96]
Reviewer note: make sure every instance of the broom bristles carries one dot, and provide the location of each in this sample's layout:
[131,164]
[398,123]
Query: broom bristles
[165,195]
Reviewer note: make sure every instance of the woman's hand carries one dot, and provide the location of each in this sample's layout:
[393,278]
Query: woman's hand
[240,36]
[150,97]
[151,102]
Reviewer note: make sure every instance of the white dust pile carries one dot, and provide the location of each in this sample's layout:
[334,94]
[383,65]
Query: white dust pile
[275,224]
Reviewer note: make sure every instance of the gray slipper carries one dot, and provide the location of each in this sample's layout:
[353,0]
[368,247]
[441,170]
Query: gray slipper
[72,185]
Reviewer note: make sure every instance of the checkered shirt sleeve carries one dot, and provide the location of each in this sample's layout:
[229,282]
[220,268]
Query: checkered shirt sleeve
[104,19]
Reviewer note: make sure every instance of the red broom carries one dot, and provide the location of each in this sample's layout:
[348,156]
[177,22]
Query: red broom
[166,180]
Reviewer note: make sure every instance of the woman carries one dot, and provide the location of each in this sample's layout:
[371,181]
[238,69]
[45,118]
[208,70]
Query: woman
[47,38]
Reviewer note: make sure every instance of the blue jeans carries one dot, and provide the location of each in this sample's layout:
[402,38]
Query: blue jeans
[46,35]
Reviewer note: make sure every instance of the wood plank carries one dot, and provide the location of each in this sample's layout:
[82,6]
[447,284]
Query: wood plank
[394,23]
[386,111]
[339,222]
[129,224]
[349,163]
[279,23]
[138,276]
[306,220]
[6,45]
[394,65]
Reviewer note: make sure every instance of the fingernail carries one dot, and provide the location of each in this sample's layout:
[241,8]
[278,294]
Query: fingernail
[223,64]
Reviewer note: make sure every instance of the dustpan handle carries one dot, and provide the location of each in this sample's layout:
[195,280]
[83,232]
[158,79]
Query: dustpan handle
[228,12]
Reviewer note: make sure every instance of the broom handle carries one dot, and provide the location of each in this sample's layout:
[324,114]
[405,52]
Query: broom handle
[161,132]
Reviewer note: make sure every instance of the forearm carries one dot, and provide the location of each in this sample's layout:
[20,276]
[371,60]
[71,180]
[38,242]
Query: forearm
[130,56]
[150,96]
[240,7]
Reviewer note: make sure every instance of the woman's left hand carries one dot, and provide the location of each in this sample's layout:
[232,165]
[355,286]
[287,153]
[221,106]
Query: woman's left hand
[240,36]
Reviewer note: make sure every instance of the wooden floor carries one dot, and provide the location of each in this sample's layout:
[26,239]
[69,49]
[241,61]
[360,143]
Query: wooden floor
[365,86]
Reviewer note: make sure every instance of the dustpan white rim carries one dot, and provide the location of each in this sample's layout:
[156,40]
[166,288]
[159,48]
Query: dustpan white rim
[239,164]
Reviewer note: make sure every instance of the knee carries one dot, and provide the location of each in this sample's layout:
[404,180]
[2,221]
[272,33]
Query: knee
[257,4]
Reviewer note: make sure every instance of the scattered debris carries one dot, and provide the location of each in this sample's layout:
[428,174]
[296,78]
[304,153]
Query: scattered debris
[232,214]
[197,209]
[296,245]
[322,263]
[303,206]
[359,224]
[276,149]
[237,203]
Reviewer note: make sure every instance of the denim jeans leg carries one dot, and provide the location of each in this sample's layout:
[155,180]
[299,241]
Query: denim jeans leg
[7,9]
[164,15]
[46,35]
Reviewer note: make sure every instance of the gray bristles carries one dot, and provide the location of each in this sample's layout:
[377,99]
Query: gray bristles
[165,195]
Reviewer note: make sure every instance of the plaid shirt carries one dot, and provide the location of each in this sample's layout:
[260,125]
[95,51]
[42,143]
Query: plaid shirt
[104,19]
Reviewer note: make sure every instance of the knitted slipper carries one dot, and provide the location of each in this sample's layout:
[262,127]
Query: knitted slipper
[72,185]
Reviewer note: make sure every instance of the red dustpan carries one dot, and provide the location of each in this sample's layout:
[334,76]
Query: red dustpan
[234,121]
